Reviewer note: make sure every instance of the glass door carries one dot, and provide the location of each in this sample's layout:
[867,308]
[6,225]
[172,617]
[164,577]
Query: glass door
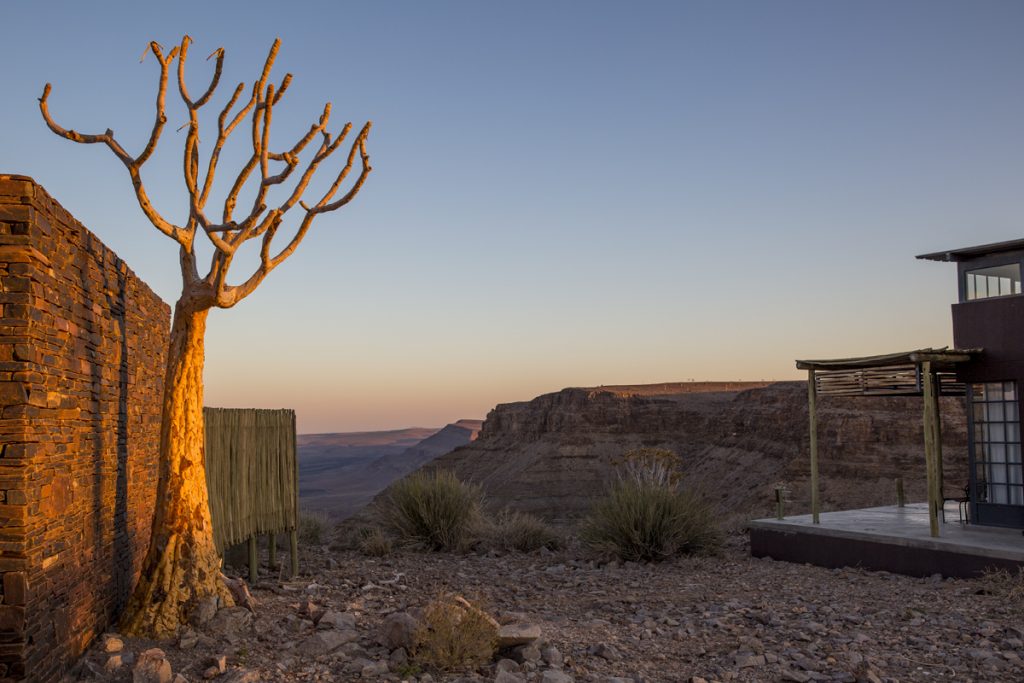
[997,476]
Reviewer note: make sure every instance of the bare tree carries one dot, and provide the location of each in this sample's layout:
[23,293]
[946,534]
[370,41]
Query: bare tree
[182,566]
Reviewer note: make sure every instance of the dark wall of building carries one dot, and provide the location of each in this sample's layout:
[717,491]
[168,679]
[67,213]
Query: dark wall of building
[82,345]
[996,325]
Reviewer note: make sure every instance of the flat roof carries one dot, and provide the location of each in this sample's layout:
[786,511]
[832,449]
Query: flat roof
[967,253]
[943,356]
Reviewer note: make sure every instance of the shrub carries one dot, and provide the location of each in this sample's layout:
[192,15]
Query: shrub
[646,516]
[433,510]
[374,542]
[1008,585]
[454,634]
[519,532]
[313,528]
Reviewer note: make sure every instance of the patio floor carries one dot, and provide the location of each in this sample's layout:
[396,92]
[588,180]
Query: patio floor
[889,538]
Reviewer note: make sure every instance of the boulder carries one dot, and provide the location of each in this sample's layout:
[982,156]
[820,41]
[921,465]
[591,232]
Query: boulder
[339,620]
[112,643]
[508,677]
[398,630]
[553,676]
[510,635]
[152,667]
[324,642]
[230,621]
[205,610]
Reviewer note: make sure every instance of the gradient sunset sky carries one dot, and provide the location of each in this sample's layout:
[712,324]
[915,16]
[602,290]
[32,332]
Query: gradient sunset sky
[564,194]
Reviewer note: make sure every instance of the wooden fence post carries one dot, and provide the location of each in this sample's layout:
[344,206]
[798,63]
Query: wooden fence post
[931,449]
[253,560]
[901,500]
[293,541]
[778,502]
[272,558]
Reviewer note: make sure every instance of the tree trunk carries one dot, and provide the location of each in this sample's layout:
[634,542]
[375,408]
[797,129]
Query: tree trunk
[182,566]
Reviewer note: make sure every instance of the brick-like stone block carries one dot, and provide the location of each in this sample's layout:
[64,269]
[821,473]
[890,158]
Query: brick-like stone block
[15,588]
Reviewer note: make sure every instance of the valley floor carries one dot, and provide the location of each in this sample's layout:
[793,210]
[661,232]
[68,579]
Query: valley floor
[725,618]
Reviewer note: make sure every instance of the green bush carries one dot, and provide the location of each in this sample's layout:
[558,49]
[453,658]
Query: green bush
[519,532]
[644,519]
[313,528]
[432,510]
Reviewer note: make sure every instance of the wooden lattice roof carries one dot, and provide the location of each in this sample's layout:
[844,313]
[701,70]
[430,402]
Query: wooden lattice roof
[891,374]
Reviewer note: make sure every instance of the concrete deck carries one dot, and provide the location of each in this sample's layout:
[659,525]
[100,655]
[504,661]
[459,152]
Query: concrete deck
[889,538]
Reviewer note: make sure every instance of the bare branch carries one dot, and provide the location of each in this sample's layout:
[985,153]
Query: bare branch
[229,235]
[322,205]
[132,164]
[232,198]
[161,96]
[285,82]
[222,136]
[232,295]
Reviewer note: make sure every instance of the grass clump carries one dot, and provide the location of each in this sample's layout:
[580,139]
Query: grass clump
[374,542]
[647,516]
[454,635]
[433,510]
[313,528]
[1004,583]
[519,532]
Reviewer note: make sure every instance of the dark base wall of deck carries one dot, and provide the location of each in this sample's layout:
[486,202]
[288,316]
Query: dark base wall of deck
[834,552]
[82,344]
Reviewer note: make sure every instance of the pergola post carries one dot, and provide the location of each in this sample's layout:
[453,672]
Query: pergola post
[812,410]
[932,446]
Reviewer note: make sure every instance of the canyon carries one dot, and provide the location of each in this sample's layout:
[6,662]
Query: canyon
[736,441]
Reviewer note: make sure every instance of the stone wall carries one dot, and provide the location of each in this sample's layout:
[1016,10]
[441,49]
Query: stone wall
[82,344]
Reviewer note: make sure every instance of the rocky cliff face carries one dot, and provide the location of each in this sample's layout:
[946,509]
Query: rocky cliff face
[554,454]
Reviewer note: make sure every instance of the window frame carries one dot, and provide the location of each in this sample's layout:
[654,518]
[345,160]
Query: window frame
[1006,259]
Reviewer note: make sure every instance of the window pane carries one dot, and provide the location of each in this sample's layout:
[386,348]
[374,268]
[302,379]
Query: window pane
[1013,432]
[1002,280]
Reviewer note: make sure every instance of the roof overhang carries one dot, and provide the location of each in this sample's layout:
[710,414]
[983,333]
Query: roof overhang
[968,253]
[941,359]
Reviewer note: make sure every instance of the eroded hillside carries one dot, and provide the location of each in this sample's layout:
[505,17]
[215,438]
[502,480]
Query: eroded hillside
[553,454]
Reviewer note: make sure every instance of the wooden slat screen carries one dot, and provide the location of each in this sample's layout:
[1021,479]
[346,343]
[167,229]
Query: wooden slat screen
[251,472]
[896,380]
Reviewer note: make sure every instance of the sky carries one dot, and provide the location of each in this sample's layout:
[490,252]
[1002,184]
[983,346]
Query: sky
[564,193]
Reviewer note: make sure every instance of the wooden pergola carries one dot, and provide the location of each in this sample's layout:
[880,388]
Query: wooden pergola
[928,373]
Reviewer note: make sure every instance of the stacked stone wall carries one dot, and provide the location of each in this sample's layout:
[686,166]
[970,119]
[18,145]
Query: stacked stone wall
[82,345]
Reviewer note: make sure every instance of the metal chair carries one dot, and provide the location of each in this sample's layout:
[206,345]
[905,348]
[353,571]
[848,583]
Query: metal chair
[961,500]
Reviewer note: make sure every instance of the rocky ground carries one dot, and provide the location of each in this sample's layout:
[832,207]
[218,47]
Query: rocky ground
[724,618]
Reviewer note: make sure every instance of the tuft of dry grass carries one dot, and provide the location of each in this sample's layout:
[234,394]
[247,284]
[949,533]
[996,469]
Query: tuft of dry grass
[518,532]
[1005,583]
[314,528]
[374,542]
[433,510]
[454,635]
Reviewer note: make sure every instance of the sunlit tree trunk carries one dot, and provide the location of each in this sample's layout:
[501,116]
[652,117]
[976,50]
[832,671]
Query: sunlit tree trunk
[182,565]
